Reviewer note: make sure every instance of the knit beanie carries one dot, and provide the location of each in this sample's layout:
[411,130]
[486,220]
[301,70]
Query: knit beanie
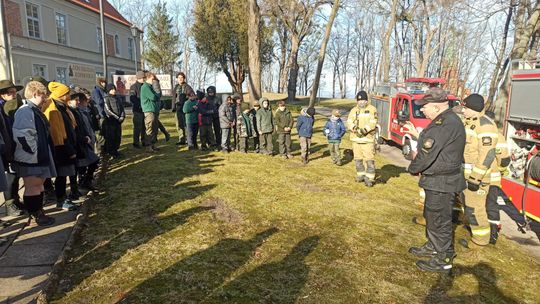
[109,87]
[57,89]
[311,111]
[362,95]
[474,102]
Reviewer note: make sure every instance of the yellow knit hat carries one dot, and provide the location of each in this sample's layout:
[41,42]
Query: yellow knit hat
[57,89]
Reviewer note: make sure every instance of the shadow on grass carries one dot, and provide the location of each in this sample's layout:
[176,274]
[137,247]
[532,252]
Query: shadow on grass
[387,172]
[127,213]
[278,282]
[196,277]
[488,291]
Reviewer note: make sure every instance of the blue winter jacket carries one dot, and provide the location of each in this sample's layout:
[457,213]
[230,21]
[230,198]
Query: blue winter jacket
[334,129]
[304,125]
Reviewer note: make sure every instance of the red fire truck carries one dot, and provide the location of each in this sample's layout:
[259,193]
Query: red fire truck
[395,105]
[522,132]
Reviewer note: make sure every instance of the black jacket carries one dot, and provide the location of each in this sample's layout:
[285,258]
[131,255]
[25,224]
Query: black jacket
[179,97]
[114,109]
[135,97]
[62,153]
[207,112]
[440,154]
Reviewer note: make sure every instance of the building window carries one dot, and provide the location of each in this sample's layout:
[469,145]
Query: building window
[130,49]
[39,70]
[61,75]
[99,40]
[61,30]
[117,45]
[32,19]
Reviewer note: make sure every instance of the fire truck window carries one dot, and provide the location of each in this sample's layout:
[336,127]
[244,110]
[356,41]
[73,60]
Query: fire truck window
[396,108]
[405,108]
[416,111]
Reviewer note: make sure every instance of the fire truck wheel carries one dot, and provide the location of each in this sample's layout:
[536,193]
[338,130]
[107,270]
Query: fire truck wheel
[407,150]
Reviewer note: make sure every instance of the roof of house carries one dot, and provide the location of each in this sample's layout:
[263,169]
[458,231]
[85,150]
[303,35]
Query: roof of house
[108,9]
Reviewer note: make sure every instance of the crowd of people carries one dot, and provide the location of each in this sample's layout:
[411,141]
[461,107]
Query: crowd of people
[53,132]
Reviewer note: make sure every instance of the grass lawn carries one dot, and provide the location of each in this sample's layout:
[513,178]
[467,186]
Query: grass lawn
[190,227]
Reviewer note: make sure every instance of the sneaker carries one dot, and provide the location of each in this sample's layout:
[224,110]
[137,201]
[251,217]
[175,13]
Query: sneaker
[368,183]
[419,220]
[67,205]
[359,179]
[425,251]
[290,156]
[338,162]
[436,264]
[284,156]
[41,219]
[12,210]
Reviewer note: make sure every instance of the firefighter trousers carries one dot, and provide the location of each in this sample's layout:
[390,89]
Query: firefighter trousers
[476,215]
[492,210]
[438,215]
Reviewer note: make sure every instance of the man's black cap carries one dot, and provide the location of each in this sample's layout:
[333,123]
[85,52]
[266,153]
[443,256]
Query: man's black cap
[434,95]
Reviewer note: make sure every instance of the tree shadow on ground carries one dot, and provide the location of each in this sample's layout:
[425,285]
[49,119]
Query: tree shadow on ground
[195,278]
[127,212]
[277,282]
[488,291]
[387,172]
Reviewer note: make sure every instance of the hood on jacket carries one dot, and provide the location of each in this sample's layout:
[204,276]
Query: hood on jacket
[224,98]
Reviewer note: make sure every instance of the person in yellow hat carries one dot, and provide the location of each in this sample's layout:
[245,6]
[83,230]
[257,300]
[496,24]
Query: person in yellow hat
[62,127]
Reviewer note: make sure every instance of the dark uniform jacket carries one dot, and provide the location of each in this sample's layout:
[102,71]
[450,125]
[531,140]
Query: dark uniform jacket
[440,154]
[135,97]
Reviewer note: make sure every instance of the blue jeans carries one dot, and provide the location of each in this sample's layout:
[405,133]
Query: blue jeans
[225,138]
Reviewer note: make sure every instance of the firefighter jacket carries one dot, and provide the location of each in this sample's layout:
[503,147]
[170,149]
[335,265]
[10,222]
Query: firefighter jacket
[502,159]
[440,154]
[362,122]
[480,151]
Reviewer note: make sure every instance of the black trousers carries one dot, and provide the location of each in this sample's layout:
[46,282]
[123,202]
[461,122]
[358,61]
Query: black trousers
[113,136]
[12,192]
[493,214]
[217,130]
[438,214]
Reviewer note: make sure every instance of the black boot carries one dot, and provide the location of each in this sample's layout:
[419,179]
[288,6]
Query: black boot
[41,219]
[427,250]
[439,263]
[494,233]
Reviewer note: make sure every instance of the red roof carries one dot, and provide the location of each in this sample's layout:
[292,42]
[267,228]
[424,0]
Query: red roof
[108,9]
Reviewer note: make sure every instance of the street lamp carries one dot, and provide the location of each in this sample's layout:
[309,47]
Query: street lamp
[135,34]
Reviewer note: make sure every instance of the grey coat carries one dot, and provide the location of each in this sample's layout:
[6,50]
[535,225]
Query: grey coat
[226,116]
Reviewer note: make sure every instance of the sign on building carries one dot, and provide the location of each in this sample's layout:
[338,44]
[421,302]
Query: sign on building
[124,82]
[82,75]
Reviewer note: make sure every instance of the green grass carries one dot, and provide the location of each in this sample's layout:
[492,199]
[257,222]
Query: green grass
[190,227]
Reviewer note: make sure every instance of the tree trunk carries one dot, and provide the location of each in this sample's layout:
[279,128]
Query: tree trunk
[322,53]
[293,69]
[282,76]
[254,53]
[498,73]
[385,62]
[521,41]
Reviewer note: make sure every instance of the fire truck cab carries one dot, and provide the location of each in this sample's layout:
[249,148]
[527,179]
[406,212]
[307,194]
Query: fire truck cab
[395,105]
[522,133]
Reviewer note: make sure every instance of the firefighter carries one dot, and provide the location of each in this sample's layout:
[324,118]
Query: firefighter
[362,123]
[502,161]
[438,161]
[480,161]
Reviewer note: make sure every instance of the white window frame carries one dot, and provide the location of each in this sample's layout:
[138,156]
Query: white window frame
[38,19]
[56,13]
[45,70]
[117,43]
[131,48]
[66,71]
[99,43]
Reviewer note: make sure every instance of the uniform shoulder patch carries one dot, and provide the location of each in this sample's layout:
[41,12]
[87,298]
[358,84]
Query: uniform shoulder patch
[428,143]
[439,121]
[487,141]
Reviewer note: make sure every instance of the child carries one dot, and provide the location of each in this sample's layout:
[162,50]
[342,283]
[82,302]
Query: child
[115,117]
[304,125]
[334,131]
[245,130]
[284,123]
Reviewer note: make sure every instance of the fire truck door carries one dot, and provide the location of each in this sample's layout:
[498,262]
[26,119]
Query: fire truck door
[395,124]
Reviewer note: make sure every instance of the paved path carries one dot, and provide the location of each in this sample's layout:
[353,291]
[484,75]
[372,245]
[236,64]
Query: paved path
[510,217]
[27,258]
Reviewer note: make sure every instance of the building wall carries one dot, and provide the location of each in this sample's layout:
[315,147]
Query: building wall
[82,47]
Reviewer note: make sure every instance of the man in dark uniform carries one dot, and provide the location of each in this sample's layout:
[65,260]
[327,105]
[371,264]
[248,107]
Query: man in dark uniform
[439,163]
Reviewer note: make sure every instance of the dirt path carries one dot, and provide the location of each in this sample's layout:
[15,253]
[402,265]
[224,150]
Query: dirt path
[528,237]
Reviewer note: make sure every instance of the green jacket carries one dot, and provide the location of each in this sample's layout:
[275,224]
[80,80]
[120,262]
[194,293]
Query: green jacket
[191,113]
[149,99]
[265,120]
[283,119]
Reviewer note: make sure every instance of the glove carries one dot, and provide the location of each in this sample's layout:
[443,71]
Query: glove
[473,186]
[326,131]
[121,119]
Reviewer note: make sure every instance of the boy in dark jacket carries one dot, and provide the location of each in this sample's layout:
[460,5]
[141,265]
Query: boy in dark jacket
[115,115]
[284,124]
[253,116]
[191,111]
[304,125]
[334,131]
[245,130]
[206,114]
